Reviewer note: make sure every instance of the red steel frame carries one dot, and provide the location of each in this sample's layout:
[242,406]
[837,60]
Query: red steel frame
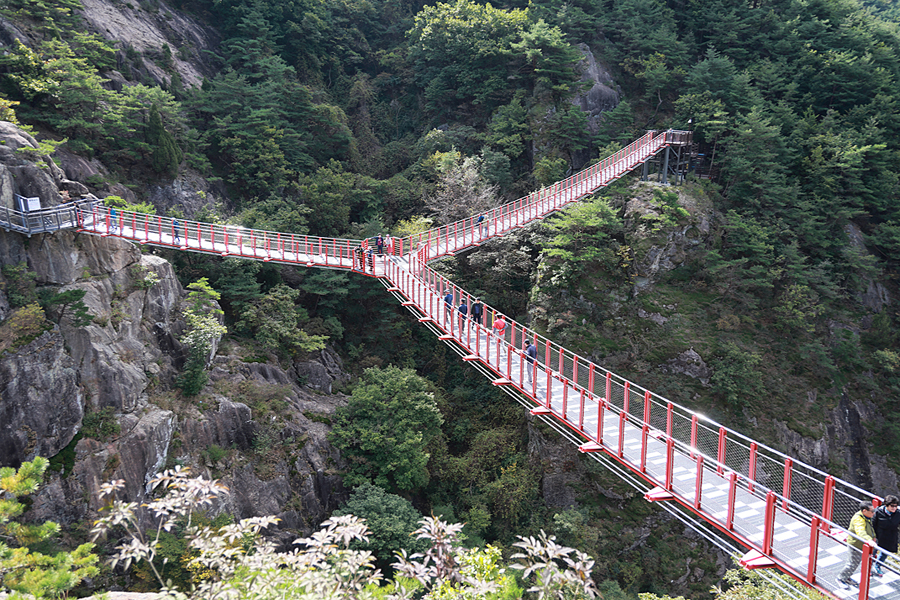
[579,374]
[419,284]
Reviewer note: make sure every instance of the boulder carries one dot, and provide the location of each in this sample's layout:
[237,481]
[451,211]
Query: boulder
[41,403]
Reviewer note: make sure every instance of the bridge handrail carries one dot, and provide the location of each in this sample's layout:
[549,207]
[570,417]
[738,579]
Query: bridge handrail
[213,237]
[52,218]
[830,497]
[652,140]
[782,483]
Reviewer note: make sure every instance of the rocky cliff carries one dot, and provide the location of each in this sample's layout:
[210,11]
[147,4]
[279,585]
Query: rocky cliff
[100,399]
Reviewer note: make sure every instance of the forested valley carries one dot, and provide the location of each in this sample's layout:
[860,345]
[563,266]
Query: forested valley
[761,291]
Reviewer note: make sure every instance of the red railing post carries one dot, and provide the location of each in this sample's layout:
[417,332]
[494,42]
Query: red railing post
[732,496]
[769,524]
[608,387]
[786,488]
[645,429]
[693,434]
[621,452]
[865,572]
[813,551]
[670,462]
[600,416]
[751,476]
[698,482]
[721,455]
[827,503]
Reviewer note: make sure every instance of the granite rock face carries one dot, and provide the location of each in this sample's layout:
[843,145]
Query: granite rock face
[123,365]
[41,403]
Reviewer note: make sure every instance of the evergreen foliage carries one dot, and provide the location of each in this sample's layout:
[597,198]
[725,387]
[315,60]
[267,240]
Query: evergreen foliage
[202,315]
[26,572]
[166,155]
[390,519]
[389,421]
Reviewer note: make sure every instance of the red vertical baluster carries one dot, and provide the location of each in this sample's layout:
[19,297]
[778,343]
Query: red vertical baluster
[751,475]
[591,379]
[621,452]
[698,483]
[626,398]
[575,369]
[549,385]
[647,407]
[600,406]
[522,371]
[769,524]
[813,551]
[786,488]
[670,462]
[732,496]
[865,572]
[565,414]
[609,387]
[721,456]
[645,429]
[827,503]
[581,416]
[693,434]
[669,410]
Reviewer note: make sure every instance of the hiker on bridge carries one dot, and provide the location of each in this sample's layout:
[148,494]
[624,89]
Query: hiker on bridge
[379,243]
[499,327]
[886,523]
[480,223]
[177,236]
[477,311]
[862,530]
[463,311]
[448,307]
[530,351]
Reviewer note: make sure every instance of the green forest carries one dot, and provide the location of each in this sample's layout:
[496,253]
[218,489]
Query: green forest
[350,118]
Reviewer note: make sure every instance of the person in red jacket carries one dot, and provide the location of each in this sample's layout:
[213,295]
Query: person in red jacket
[499,326]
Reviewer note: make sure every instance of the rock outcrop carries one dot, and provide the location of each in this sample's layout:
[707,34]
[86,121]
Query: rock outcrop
[122,367]
[134,30]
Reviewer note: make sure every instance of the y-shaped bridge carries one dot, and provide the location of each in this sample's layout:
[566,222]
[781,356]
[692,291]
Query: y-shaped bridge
[740,494]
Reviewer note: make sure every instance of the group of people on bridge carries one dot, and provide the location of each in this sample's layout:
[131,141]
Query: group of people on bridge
[872,523]
[368,249]
[473,316]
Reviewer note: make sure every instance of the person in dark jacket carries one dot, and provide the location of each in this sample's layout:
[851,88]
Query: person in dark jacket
[463,315]
[885,522]
[477,310]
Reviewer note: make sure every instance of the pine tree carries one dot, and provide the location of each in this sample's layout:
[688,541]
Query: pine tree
[166,155]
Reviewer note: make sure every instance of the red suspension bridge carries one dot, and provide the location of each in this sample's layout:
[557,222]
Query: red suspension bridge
[743,496]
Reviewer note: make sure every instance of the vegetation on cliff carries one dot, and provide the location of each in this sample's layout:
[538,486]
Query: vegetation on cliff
[356,118]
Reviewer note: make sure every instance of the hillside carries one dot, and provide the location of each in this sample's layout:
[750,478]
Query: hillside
[760,291]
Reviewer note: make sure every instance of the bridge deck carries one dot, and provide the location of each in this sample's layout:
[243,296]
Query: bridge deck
[756,496]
